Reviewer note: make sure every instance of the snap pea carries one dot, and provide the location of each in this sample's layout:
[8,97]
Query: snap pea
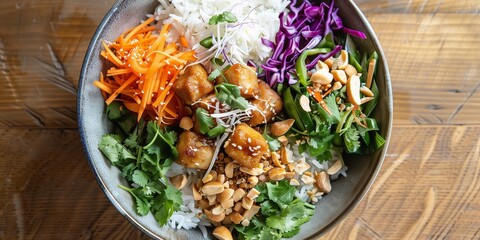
[300,65]
[368,107]
[305,116]
[207,42]
[290,108]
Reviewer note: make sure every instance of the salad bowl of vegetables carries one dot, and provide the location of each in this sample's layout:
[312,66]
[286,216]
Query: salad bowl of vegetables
[235,120]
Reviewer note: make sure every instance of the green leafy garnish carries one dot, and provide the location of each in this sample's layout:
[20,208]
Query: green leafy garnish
[216,131]
[214,74]
[207,42]
[281,213]
[111,146]
[207,125]
[144,157]
[206,122]
[230,94]
[223,17]
[350,138]
[273,143]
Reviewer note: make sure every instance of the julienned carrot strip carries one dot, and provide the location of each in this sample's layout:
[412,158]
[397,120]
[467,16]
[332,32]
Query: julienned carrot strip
[146,67]
[138,28]
[167,89]
[111,56]
[113,72]
[183,41]
[119,90]
[132,106]
[162,38]
[158,80]
[103,87]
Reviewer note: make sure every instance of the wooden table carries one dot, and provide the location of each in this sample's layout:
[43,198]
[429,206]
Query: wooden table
[428,187]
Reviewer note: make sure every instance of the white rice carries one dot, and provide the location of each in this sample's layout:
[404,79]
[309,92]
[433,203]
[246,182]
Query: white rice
[256,19]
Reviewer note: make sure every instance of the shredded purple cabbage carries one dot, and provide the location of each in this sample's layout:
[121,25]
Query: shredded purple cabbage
[302,28]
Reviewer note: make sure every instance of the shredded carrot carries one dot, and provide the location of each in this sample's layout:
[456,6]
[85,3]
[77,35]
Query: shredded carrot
[183,41]
[146,65]
[114,71]
[318,96]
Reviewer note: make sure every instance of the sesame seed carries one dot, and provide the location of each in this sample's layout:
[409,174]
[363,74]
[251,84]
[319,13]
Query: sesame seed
[234,144]
[249,140]
[239,147]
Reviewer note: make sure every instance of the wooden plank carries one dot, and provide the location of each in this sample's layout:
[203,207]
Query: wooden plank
[428,187]
[49,191]
[419,6]
[42,48]
[433,66]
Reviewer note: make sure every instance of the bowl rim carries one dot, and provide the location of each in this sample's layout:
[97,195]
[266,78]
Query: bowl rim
[341,216]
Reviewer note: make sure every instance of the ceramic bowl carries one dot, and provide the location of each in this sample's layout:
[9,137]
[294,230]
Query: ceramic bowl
[347,191]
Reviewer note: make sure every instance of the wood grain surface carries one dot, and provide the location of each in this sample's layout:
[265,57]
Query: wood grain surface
[428,187]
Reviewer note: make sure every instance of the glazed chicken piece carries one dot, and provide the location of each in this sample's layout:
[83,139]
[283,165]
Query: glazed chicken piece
[193,84]
[244,77]
[194,150]
[269,102]
[246,146]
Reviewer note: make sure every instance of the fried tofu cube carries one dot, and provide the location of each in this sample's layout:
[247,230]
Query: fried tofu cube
[269,102]
[244,77]
[193,84]
[246,146]
[194,150]
[208,103]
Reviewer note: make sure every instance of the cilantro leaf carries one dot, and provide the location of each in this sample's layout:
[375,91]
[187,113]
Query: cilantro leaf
[333,107]
[111,147]
[281,213]
[128,170]
[223,17]
[206,122]
[114,110]
[350,139]
[216,131]
[213,75]
[273,143]
[141,178]
[142,201]
[148,169]
[175,195]
[292,217]
[230,94]
[166,203]
[281,193]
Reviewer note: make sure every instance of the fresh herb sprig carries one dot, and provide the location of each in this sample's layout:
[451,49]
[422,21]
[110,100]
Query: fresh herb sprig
[230,94]
[144,157]
[222,17]
[281,213]
[208,125]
